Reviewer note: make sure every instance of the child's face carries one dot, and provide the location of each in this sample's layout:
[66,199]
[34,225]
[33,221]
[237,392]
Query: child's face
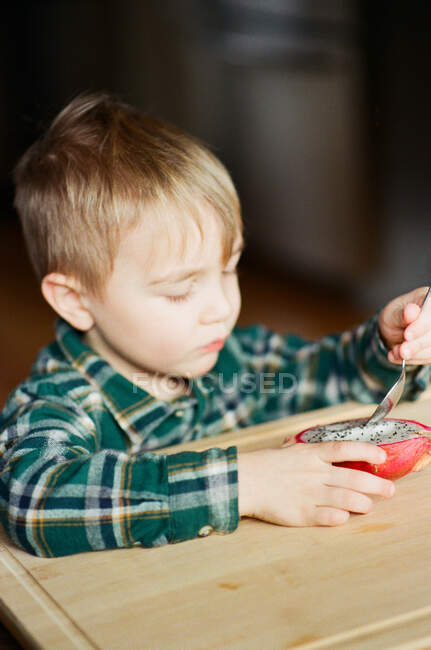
[144,325]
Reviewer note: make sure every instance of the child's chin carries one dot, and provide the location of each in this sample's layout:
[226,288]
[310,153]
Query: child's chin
[204,365]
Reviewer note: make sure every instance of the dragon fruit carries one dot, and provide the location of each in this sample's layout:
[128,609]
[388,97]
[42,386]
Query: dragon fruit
[407,443]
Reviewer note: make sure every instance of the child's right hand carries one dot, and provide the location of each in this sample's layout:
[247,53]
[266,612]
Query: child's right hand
[297,485]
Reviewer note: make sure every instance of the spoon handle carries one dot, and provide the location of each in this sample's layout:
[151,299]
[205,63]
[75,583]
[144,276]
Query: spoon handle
[426,297]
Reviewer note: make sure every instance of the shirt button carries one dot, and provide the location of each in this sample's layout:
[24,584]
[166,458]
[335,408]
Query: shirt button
[179,413]
[205,531]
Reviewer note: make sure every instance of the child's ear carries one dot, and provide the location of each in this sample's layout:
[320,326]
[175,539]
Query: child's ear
[64,295]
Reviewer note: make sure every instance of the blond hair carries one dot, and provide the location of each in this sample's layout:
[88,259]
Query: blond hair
[90,178]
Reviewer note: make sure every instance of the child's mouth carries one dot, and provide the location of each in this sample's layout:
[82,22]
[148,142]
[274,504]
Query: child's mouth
[214,345]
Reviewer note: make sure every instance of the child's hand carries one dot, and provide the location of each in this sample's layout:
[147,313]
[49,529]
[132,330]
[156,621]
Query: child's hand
[298,486]
[406,330]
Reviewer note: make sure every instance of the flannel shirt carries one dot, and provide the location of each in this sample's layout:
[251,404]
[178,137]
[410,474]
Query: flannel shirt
[77,470]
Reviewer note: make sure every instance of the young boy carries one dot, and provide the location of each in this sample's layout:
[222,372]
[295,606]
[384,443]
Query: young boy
[134,231]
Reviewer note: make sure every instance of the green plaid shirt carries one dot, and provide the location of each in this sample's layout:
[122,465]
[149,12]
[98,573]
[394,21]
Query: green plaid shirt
[77,470]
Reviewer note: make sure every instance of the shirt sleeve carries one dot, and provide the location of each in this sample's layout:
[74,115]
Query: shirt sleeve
[61,493]
[298,375]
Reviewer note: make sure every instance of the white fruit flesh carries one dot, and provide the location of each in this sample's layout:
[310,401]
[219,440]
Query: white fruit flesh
[384,432]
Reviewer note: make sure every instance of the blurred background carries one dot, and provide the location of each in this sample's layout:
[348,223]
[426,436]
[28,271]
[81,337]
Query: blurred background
[319,109]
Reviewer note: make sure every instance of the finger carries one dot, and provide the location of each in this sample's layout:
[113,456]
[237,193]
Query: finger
[289,441]
[340,451]
[346,499]
[419,319]
[408,306]
[419,327]
[408,350]
[398,313]
[411,312]
[394,354]
[416,351]
[360,481]
[325,516]
[416,297]
[418,342]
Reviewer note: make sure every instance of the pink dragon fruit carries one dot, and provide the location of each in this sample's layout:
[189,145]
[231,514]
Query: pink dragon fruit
[407,443]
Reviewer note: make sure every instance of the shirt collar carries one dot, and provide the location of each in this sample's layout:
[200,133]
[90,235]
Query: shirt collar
[126,401]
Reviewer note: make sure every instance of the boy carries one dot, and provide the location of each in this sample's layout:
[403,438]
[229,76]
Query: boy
[134,231]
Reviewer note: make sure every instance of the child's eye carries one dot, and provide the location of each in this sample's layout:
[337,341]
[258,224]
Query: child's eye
[182,298]
[185,296]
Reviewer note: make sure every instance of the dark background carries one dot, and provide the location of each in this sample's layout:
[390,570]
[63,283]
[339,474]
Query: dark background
[320,110]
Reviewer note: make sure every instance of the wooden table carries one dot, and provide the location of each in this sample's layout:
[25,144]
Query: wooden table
[366,584]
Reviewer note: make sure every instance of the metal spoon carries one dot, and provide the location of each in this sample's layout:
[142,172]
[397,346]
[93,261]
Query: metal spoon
[393,396]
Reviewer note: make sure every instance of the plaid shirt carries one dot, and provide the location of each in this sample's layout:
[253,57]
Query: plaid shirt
[77,470]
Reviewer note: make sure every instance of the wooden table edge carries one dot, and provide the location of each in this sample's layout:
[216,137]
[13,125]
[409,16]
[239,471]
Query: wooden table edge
[31,595]
[381,631]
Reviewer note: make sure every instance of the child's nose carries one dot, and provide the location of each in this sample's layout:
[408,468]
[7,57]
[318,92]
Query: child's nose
[217,306]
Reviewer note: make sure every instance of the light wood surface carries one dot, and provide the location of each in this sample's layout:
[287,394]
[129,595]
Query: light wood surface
[366,584]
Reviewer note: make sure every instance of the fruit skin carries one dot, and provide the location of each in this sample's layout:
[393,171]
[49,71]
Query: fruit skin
[402,457]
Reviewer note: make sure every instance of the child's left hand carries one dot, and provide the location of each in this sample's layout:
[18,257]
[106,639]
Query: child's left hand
[406,330]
